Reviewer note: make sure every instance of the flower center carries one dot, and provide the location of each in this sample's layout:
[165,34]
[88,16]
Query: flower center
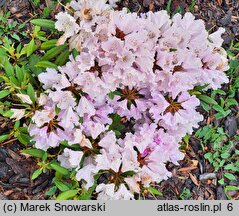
[173,107]
[178,68]
[142,159]
[130,95]
[119,34]
[86,13]
[96,68]
[52,126]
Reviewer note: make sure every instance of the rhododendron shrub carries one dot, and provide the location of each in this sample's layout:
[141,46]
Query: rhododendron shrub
[138,68]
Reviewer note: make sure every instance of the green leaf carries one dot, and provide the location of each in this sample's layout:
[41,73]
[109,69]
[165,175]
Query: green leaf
[218,108]
[31,47]
[230,102]
[232,167]
[53,52]
[31,92]
[34,152]
[8,113]
[230,176]
[209,156]
[44,157]
[206,99]
[17,124]
[15,36]
[48,44]
[231,187]
[45,64]
[168,6]
[75,53]
[24,138]
[57,167]
[225,155]
[31,65]
[61,185]
[154,191]
[19,73]
[221,181]
[128,173]
[49,24]
[51,191]
[67,195]
[222,115]
[205,106]
[111,95]
[62,58]
[4,137]
[4,93]
[37,173]
[9,70]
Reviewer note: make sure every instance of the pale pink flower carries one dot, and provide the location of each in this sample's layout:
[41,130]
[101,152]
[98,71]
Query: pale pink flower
[85,107]
[67,24]
[42,117]
[87,173]
[24,98]
[17,114]
[70,159]
[49,78]
[63,99]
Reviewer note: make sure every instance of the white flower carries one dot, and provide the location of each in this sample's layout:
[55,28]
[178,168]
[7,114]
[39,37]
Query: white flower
[67,24]
[89,8]
[70,158]
[216,37]
[49,78]
[24,98]
[69,118]
[18,113]
[85,107]
[106,191]
[108,140]
[113,2]
[63,99]
[123,193]
[95,128]
[79,138]
[42,117]
[42,100]
[129,160]
[133,183]
[87,173]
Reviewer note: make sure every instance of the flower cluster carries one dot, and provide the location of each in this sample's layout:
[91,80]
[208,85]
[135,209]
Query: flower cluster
[138,68]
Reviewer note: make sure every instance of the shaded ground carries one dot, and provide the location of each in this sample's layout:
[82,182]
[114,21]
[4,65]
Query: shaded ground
[193,174]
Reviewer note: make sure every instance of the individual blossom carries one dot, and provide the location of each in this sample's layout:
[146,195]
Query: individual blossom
[181,113]
[67,24]
[43,116]
[130,102]
[70,159]
[85,107]
[68,119]
[17,114]
[49,78]
[216,37]
[86,173]
[24,98]
[63,99]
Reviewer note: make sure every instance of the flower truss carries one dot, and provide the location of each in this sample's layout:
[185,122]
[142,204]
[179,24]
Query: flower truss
[139,68]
